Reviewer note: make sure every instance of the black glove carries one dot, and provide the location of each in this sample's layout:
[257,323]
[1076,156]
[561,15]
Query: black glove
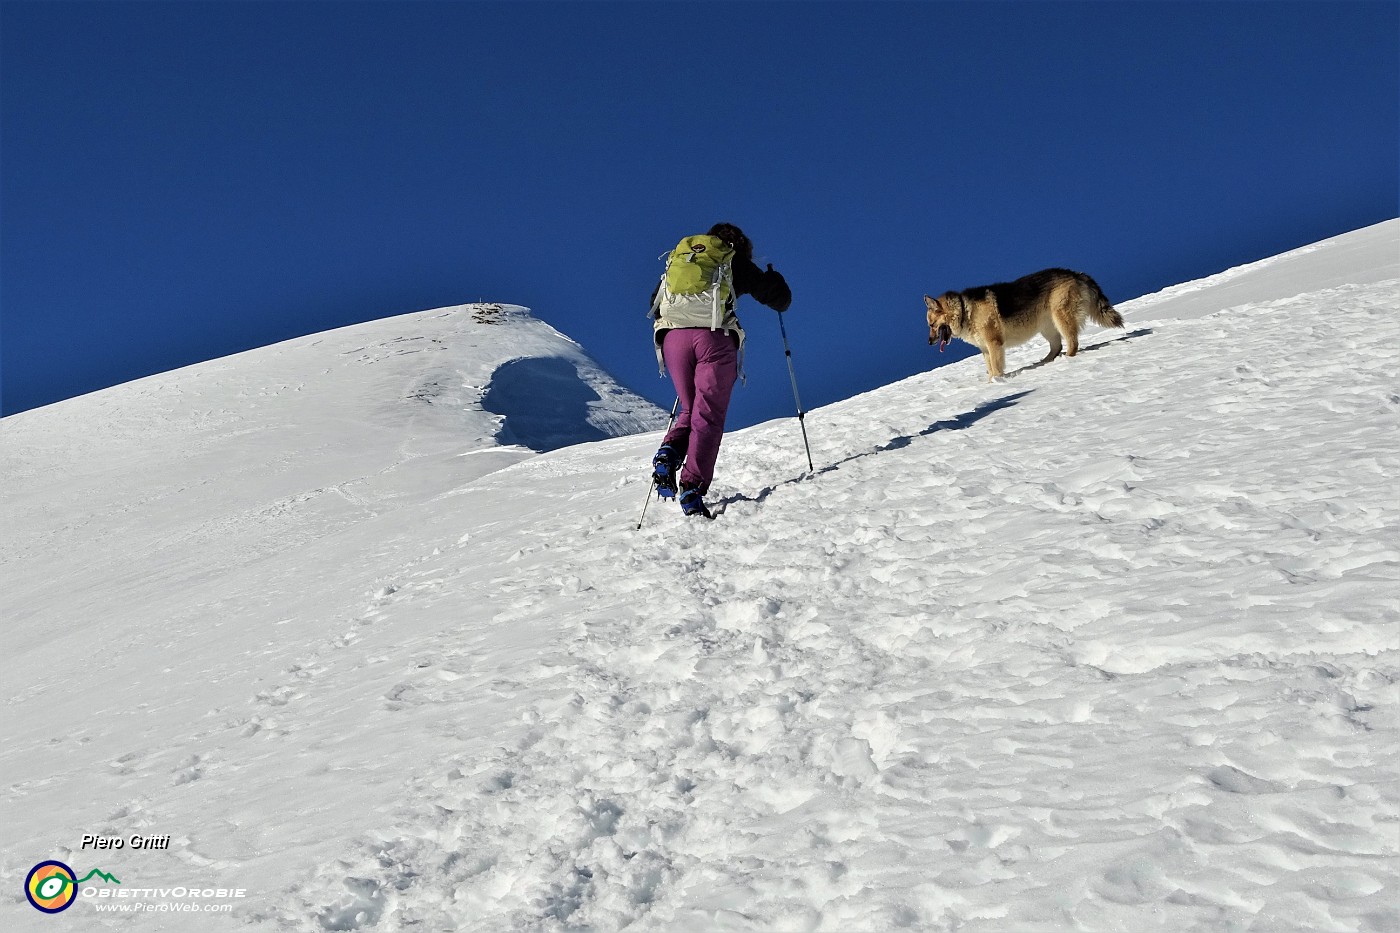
[778,294]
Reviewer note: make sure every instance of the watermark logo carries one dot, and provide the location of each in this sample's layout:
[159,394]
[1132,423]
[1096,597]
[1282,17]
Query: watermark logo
[53,887]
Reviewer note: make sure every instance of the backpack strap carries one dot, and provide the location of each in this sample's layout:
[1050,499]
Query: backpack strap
[725,277]
[656,299]
[717,312]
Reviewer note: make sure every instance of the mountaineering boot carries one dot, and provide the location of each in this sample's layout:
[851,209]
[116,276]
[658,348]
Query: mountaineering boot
[692,504]
[665,466]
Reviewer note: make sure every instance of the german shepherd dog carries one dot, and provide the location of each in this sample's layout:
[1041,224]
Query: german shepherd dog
[1054,303]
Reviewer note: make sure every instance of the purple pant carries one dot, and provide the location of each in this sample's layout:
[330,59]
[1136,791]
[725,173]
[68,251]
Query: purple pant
[703,365]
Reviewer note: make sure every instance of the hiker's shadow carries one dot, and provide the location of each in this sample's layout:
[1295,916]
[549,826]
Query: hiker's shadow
[1140,332]
[959,423]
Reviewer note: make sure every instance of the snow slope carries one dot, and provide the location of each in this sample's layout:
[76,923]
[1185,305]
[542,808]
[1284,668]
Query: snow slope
[194,473]
[1111,645]
[1363,257]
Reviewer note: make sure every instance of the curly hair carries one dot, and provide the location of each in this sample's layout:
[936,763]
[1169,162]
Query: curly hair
[735,238]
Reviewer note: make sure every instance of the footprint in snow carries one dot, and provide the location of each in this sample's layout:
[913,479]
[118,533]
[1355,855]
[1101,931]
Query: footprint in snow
[258,725]
[276,696]
[188,770]
[400,696]
[1235,781]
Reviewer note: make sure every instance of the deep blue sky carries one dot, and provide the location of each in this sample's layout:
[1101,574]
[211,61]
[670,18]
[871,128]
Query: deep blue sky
[186,180]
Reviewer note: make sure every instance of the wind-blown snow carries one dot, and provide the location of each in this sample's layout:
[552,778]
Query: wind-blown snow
[1111,645]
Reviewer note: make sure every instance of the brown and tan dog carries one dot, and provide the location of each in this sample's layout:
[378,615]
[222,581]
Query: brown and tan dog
[1054,303]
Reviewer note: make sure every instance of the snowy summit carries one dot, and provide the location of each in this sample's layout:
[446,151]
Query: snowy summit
[361,624]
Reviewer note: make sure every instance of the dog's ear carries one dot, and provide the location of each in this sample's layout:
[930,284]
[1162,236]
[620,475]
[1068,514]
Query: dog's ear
[930,303]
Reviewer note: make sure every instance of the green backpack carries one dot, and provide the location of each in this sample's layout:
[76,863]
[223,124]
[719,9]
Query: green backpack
[698,282]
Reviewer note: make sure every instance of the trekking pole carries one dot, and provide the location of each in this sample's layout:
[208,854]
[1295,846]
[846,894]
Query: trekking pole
[674,409]
[792,375]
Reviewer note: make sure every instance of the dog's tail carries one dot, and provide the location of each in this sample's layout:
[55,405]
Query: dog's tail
[1096,303]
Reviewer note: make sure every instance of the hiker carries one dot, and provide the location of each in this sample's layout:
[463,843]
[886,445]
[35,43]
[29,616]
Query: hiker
[700,343]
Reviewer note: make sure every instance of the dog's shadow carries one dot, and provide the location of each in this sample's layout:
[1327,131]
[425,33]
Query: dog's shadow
[959,423]
[1140,332]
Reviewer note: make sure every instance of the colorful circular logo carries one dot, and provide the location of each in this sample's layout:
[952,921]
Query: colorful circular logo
[51,887]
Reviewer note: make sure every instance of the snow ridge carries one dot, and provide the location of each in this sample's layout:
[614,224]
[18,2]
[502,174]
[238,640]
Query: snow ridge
[233,461]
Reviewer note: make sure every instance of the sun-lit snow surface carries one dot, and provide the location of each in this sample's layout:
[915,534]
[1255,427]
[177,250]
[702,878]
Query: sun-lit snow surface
[192,473]
[1111,645]
[1363,257]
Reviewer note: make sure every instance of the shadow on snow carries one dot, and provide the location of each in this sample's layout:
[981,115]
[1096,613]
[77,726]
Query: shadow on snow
[959,423]
[1140,332]
[544,404]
